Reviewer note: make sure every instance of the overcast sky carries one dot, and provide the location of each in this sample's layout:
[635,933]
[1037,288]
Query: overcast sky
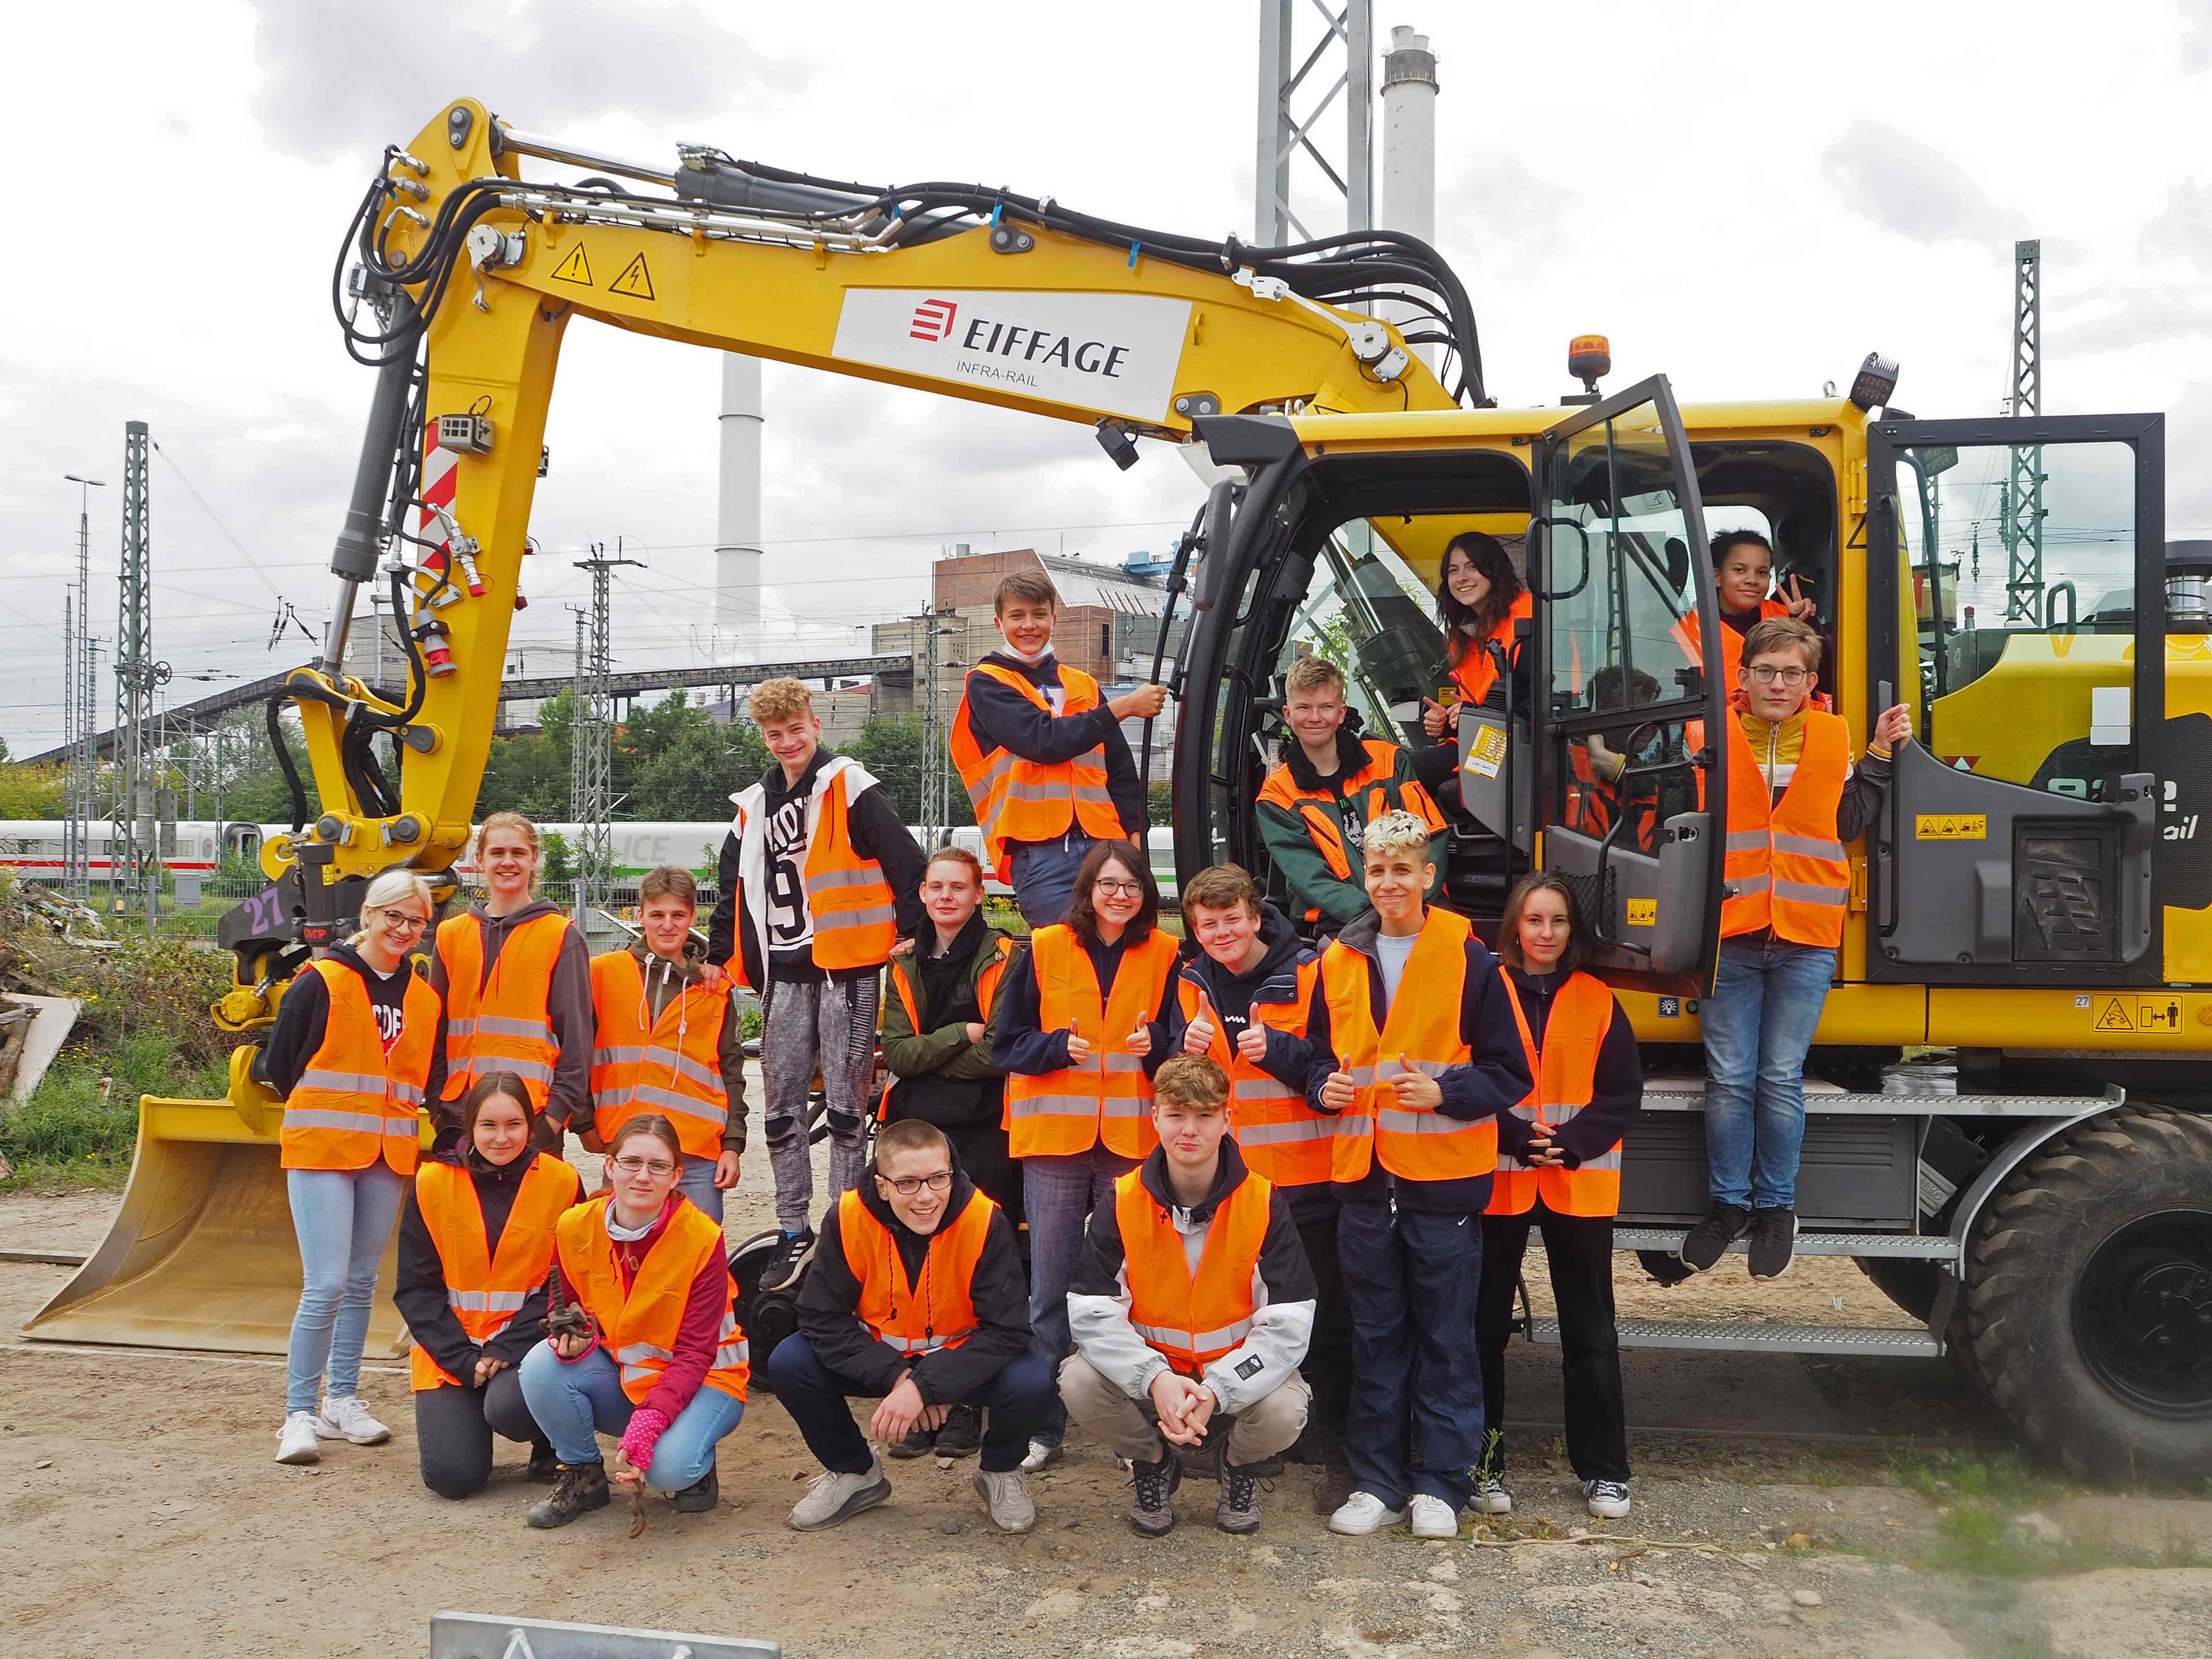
[1747,197]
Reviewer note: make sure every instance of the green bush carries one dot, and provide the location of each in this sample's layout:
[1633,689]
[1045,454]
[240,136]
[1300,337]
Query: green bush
[162,987]
[82,1121]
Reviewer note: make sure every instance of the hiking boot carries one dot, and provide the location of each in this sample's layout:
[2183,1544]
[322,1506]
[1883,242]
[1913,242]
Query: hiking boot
[836,1497]
[915,1442]
[1708,1242]
[1773,1242]
[1607,1499]
[1333,1484]
[701,1496]
[788,1257]
[580,1489]
[1491,1497]
[344,1418]
[1363,1513]
[296,1442]
[962,1433]
[1151,1514]
[545,1464]
[1005,1498]
[1238,1509]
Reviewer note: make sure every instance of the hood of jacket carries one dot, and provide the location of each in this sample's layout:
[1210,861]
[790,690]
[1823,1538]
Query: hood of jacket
[685,972]
[1229,1173]
[955,1201]
[1350,762]
[514,918]
[1283,950]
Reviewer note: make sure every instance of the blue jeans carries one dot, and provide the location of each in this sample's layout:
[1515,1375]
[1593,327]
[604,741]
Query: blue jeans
[573,1402]
[1759,1025]
[1059,1192]
[343,1220]
[1017,1399]
[696,1182]
[1045,876]
[1413,1279]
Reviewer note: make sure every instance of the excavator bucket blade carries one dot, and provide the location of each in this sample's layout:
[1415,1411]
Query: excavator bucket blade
[201,1252]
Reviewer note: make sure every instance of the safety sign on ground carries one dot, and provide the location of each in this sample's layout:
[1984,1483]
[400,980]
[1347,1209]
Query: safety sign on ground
[576,268]
[1950,826]
[636,281]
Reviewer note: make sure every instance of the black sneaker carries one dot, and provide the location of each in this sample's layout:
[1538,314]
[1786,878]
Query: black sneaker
[544,1463]
[915,1442]
[962,1433]
[701,1496]
[1773,1242]
[1238,1509]
[580,1488]
[789,1256]
[1151,1514]
[1708,1242]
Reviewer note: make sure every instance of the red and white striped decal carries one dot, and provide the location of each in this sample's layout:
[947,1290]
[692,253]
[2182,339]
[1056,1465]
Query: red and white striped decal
[440,483]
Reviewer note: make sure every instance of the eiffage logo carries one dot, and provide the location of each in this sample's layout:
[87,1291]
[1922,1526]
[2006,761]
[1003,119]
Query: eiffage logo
[932,320]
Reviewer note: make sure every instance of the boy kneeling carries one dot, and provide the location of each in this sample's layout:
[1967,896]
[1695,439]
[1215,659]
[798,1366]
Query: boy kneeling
[1192,1300]
[915,1294]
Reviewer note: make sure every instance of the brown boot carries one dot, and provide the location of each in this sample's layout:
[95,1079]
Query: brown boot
[581,1488]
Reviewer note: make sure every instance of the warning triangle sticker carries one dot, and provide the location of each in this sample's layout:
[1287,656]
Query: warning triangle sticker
[636,280]
[2113,1016]
[576,268]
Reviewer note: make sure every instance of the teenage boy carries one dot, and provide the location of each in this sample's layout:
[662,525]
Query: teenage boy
[1191,1305]
[819,879]
[915,1297]
[1316,806]
[1794,799]
[1415,1049]
[1042,754]
[665,1043]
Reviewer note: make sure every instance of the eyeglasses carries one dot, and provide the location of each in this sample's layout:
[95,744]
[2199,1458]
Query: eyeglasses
[907,1185]
[1766,675]
[400,922]
[652,1166]
[1127,888]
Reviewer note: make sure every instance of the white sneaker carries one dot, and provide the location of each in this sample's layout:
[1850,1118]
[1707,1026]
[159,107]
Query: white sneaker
[1607,1499]
[344,1418]
[1432,1518]
[1043,1452]
[296,1441]
[1363,1513]
[835,1497]
[1491,1497]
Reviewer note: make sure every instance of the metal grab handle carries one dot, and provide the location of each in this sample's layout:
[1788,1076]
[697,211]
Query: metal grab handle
[1889,825]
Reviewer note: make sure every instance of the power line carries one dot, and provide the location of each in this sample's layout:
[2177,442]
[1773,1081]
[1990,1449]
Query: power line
[217,518]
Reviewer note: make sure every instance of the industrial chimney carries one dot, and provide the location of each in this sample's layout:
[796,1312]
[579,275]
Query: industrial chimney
[737,508]
[1409,151]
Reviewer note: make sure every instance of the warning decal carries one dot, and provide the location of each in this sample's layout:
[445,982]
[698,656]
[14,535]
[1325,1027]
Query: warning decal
[576,268]
[636,280]
[2112,1016]
[1486,751]
[1643,912]
[1950,826]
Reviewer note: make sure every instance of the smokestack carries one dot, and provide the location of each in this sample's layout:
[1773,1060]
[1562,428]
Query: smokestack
[1409,149]
[737,508]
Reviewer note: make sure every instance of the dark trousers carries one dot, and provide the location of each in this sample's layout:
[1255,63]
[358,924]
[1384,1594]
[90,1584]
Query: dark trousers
[1415,1422]
[1578,1249]
[815,1396]
[1327,1365]
[454,1429]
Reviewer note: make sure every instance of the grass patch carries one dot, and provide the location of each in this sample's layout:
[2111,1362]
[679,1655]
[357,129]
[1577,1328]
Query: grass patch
[81,1125]
[1996,1518]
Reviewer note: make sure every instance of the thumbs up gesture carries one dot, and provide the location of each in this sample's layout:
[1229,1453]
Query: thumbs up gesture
[1338,1093]
[1198,1036]
[1140,1041]
[1417,1090]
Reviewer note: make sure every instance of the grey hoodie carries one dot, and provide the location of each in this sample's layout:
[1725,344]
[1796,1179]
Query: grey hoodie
[568,1006]
[664,981]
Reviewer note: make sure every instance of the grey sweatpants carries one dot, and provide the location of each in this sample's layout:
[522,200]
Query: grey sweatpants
[832,1026]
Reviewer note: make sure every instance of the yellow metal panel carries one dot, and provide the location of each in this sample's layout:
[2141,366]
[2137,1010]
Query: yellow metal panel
[2176,1022]
[1876,1015]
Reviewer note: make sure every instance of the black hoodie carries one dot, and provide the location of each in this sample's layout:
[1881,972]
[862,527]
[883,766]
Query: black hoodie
[304,1014]
[829,1298]
[1274,979]
[421,1295]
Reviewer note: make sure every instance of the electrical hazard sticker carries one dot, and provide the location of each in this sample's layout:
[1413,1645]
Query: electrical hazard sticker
[636,282]
[576,268]
[1950,826]
[1643,912]
[1486,751]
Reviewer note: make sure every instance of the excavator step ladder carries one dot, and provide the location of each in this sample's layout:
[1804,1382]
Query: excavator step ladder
[1859,1341]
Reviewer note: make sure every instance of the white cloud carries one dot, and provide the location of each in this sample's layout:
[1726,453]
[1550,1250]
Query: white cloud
[1910,186]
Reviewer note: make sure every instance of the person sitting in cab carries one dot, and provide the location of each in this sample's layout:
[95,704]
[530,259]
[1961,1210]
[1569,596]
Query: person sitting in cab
[1559,1170]
[915,1298]
[940,1021]
[1083,1028]
[1479,600]
[1191,1308]
[1743,582]
[1795,798]
[668,1044]
[1414,1048]
[513,979]
[1594,793]
[662,1362]
[1316,805]
[349,1055]
[475,1242]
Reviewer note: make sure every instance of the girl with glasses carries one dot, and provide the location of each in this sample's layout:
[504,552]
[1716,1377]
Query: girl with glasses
[349,1053]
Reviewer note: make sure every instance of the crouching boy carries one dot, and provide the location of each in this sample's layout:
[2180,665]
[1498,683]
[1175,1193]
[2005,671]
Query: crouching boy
[916,1295]
[1191,1307]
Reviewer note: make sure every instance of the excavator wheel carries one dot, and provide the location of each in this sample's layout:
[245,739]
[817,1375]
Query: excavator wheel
[2088,1303]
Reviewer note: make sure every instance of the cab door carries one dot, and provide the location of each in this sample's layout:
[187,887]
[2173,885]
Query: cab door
[1629,784]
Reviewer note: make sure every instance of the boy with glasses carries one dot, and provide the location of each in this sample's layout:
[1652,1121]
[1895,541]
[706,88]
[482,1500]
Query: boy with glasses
[1794,799]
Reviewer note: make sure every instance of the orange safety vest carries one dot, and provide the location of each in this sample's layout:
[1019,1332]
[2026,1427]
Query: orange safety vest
[848,899]
[484,1289]
[1317,811]
[1689,635]
[1018,800]
[1281,1137]
[1192,1319]
[1785,869]
[356,1101]
[639,1328]
[674,1068]
[1422,1028]
[986,993]
[1474,673]
[502,1026]
[1581,1013]
[939,1312]
[1109,1097]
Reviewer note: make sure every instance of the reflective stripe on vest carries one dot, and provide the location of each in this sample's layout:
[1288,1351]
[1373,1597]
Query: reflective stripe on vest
[500,1025]
[939,1312]
[1475,672]
[986,995]
[486,1289]
[1421,1028]
[1574,1032]
[638,1326]
[1017,800]
[1191,1319]
[1281,1137]
[848,896]
[675,1068]
[1785,868]
[356,1101]
[1109,1097]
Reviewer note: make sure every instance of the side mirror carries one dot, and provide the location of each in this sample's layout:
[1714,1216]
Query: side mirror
[1213,540]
